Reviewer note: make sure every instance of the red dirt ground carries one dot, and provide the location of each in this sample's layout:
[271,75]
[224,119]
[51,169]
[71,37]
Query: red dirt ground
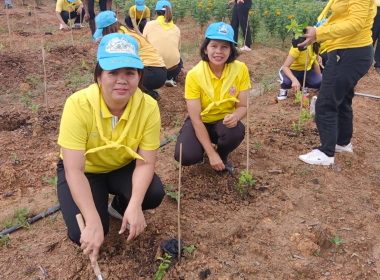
[279,230]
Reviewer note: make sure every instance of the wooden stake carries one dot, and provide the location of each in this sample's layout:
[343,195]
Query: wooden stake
[43,64]
[35,15]
[179,203]
[9,26]
[248,131]
[246,30]
[304,80]
[71,30]
[117,12]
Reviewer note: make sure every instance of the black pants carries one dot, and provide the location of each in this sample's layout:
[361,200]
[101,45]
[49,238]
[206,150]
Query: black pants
[174,73]
[240,17]
[333,108]
[102,5]
[227,140]
[154,77]
[128,22]
[118,182]
[325,57]
[65,16]
[376,36]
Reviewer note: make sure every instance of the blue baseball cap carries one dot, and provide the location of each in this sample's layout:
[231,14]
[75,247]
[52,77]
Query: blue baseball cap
[220,31]
[140,5]
[160,5]
[117,51]
[71,1]
[104,19]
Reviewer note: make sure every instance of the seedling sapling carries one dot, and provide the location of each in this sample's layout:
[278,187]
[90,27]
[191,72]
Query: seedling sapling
[5,240]
[245,181]
[298,31]
[168,191]
[165,262]
[336,241]
[189,249]
[84,65]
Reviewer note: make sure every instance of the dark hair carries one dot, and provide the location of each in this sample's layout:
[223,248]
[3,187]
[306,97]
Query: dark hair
[113,28]
[167,13]
[98,71]
[316,48]
[233,56]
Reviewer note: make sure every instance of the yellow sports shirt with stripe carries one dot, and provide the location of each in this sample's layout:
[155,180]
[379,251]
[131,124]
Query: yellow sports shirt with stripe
[64,5]
[218,97]
[134,13]
[349,25]
[109,143]
[300,58]
[148,55]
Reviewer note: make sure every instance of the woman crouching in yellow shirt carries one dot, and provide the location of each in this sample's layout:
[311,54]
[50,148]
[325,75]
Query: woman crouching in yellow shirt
[216,95]
[109,137]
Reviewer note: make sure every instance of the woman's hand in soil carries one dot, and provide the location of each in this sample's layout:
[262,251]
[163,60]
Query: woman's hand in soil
[136,220]
[65,26]
[216,162]
[310,35]
[91,239]
[230,120]
[296,86]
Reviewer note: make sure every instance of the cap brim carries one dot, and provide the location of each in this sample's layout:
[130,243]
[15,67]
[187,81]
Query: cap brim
[124,61]
[216,37]
[98,33]
[140,8]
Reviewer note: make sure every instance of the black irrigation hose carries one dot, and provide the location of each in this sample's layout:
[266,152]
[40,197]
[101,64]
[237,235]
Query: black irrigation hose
[58,207]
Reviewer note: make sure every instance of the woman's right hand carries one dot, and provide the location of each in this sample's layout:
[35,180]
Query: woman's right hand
[296,85]
[91,239]
[216,162]
[86,16]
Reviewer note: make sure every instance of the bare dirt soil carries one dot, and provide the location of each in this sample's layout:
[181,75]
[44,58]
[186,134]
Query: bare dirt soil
[279,230]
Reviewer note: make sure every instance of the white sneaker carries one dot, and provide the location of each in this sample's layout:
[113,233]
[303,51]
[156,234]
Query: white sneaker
[170,83]
[305,91]
[348,148]
[283,94]
[317,157]
[113,212]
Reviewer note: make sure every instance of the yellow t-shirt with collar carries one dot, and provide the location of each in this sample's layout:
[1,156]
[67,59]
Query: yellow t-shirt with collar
[299,63]
[134,13]
[85,111]
[194,90]
[350,24]
[64,5]
[148,55]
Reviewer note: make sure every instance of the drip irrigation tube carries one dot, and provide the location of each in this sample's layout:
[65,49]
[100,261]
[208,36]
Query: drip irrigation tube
[367,95]
[58,207]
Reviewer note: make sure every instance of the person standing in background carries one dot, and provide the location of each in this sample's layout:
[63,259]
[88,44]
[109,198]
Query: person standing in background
[376,35]
[89,16]
[240,17]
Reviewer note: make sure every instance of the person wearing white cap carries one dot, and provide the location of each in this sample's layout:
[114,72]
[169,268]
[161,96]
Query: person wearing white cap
[165,36]
[109,136]
[69,9]
[139,15]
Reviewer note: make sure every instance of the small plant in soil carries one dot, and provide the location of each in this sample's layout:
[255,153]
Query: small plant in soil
[165,262]
[52,181]
[84,65]
[318,191]
[5,240]
[35,107]
[21,216]
[304,113]
[336,241]
[15,157]
[245,181]
[168,191]
[189,249]
[258,144]
[176,121]
[166,135]
[1,47]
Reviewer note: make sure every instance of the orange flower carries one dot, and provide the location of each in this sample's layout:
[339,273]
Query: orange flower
[291,16]
[210,4]
[254,12]
[306,10]
[266,12]
[278,13]
[179,6]
[250,13]
[208,9]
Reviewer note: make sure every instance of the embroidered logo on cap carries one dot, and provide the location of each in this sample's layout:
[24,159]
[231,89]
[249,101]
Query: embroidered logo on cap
[223,29]
[117,45]
[141,3]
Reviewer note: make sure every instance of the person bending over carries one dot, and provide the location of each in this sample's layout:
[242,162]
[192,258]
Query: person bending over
[69,9]
[139,15]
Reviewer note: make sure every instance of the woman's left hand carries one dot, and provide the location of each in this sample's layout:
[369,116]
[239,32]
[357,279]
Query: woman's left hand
[310,35]
[136,220]
[230,120]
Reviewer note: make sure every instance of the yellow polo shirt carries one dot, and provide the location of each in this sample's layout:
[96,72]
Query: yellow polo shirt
[109,144]
[134,13]
[194,89]
[299,63]
[147,53]
[349,25]
[64,5]
[166,42]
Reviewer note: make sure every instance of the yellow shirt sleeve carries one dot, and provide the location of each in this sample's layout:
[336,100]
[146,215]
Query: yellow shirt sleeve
[73,130]
[151,136]
[294,52]
[192,90]
[358,14]
[245,82]
[132,11]
[59,6]
[147,12]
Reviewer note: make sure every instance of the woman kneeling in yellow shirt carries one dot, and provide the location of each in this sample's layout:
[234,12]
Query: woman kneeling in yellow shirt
[109,137]
[216,94]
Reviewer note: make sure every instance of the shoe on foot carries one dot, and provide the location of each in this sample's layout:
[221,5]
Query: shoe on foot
[228,168]
[154,94]
[114,210]
[245,48]
[283,94]
[170,83]
[305,91]
[317,157]
[348,148]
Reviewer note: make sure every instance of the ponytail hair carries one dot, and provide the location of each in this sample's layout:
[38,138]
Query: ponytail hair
[168,14]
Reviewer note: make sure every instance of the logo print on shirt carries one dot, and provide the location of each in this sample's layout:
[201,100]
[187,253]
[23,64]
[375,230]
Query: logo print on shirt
[117,45]
[223,30]
[94,134]
[232,91]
